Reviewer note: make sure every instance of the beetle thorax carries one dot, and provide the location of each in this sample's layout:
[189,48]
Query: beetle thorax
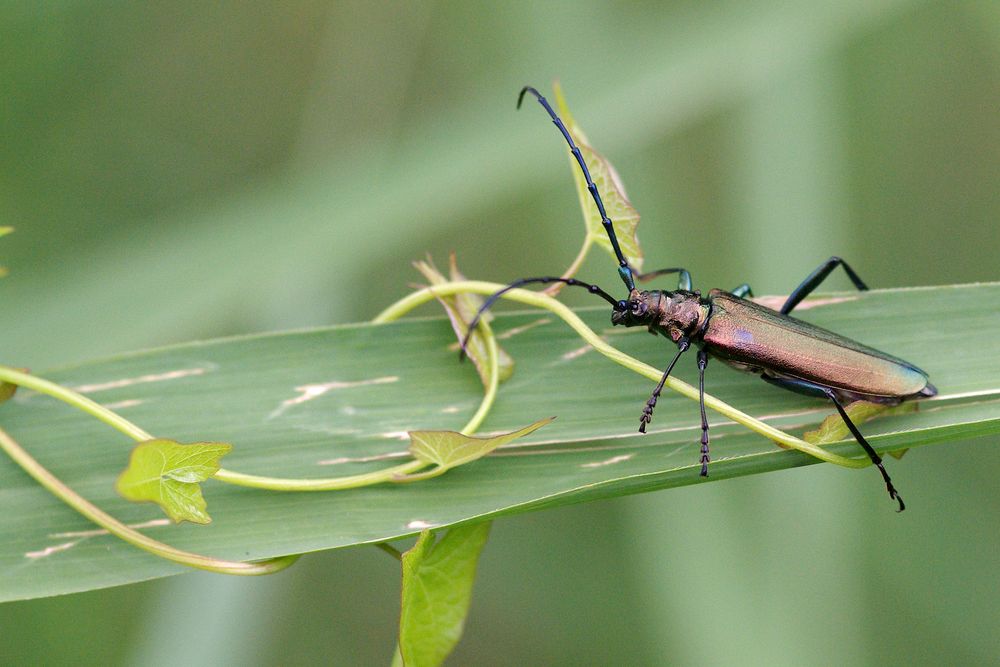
[676,315]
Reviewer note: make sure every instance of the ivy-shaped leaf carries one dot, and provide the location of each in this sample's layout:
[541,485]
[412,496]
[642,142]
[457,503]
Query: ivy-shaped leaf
[461,308]
[168,473]
[437,587]
[448,449]
[624,217]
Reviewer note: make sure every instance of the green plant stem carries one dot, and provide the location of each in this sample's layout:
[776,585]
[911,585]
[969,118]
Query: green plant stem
[318,484]
[130,535]
[540,300]
[492,385]
[70,397]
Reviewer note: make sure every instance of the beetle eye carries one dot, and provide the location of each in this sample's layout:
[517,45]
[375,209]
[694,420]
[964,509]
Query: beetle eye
[621,306]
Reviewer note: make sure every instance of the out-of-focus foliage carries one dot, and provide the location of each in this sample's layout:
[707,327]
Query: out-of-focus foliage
[180,171]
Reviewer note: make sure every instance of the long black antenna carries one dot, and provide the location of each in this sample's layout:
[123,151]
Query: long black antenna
[623,268]
[572,282]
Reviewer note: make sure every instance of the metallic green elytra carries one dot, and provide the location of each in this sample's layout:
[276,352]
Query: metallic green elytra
[782,350]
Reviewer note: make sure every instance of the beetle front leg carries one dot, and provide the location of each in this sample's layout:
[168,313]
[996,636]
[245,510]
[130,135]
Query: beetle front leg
[683,277]
[702,363]
[647,412]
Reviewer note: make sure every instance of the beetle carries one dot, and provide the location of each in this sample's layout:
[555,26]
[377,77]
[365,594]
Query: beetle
[782,350]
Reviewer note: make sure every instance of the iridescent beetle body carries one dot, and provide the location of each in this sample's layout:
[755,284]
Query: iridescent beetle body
[758,340]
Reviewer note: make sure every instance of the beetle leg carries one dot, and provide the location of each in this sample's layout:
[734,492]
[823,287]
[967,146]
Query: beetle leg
[743,291]
[683,278]
[813,280]
[647,412]
[812,389]
[872,454]
[702,363]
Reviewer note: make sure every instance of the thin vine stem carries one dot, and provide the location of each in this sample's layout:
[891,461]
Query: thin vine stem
[55,486]
[74,399]
[540,300]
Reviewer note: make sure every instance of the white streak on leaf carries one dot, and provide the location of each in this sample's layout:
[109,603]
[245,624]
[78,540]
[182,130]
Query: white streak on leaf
[521,329]
[142,379]
[47,551]
[154,523]
[578,352]
[119,405]
[417,523]
[308,392]
[82,535]
[612,460]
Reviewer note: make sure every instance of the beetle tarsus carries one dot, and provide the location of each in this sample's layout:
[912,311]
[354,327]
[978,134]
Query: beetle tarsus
[890,488]
[647,412]
[705,458]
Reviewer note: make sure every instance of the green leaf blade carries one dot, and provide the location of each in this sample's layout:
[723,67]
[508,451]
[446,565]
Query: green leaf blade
[341,400]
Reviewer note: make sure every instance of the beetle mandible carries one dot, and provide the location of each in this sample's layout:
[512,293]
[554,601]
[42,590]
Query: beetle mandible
[782,350]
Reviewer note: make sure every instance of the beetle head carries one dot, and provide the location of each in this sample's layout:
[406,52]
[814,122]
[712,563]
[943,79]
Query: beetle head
[633,311]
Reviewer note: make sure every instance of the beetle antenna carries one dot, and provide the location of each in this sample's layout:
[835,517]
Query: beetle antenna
[572,282]
[623,267]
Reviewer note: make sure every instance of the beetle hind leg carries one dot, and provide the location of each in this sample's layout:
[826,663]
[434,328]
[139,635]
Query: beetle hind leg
[872,454]
[812,389]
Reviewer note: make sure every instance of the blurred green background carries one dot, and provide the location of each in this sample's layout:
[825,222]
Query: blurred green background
[184,170]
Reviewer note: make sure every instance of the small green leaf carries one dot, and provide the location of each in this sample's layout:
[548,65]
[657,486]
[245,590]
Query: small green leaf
[833,428]
[624,217]
[461,309]
[448,449]
[168,473]
[437,587]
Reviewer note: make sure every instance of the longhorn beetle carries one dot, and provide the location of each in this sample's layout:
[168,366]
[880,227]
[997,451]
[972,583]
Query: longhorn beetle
[784,351]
